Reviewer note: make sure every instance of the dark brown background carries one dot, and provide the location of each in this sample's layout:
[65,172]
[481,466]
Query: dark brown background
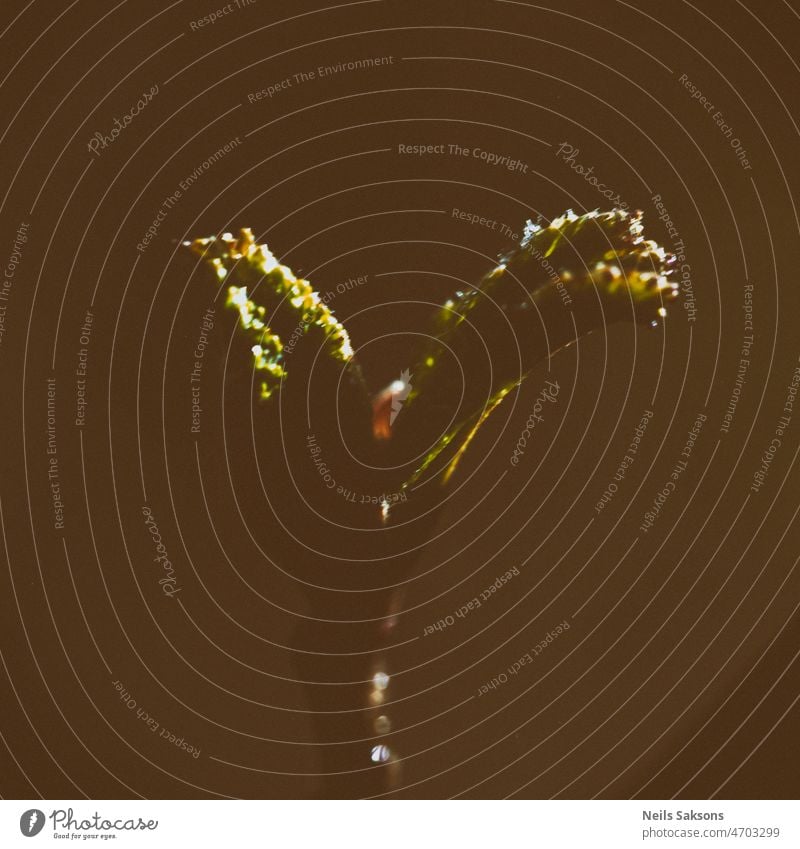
[693,634]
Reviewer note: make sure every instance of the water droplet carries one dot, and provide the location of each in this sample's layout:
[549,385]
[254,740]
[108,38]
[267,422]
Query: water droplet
[380,754]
